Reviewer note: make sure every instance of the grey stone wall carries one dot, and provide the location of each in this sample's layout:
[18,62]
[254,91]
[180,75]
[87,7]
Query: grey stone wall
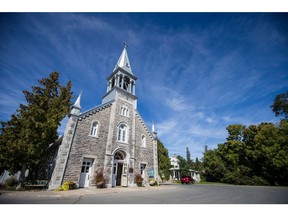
[116,145]
[62,155]
[123,119]
[143,155]
[84,145]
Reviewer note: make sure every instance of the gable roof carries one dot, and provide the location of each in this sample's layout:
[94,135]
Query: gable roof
[95,109]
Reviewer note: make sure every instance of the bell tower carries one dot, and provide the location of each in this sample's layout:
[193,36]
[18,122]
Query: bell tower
[121,81]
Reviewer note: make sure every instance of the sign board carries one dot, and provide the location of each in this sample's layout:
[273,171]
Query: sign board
[151,173]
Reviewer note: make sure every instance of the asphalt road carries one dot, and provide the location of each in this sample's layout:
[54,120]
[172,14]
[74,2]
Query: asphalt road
[175,194]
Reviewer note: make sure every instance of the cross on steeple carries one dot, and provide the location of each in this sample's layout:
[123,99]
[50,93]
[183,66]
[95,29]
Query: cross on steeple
[125,45]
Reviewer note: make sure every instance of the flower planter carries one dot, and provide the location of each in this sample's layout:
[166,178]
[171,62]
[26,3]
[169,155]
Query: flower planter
[100,184]
[139,184]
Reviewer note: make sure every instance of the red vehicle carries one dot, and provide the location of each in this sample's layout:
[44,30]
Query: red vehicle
[187,180]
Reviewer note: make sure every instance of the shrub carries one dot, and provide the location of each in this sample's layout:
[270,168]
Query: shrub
[69,185]
[99,179]
[177,181]
[259,181]
[2,187]
[153,183]
[11,182]
[138,178]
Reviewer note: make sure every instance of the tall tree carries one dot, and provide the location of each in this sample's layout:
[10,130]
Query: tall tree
[252,155]
[197,164]
[189,161]
[164,163]
[184,167]
[25,138]
[280,105]
[214,167]
[188,155]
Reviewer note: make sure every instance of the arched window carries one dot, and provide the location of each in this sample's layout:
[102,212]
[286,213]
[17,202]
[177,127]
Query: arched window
[122,133]
[94,129]
[132,87]
[124,111]
[126,83]
[142,169]
[120,81]
[143,141]
[113,82]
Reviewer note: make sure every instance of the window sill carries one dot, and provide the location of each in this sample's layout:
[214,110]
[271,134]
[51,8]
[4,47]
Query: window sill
[122,143]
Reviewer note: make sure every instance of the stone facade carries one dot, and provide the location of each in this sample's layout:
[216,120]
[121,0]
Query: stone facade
[112,136]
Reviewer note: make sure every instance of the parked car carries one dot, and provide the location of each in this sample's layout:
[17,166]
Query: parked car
[187,180]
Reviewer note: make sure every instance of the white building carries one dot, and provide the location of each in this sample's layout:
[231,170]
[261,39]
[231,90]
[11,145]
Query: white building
[176,170]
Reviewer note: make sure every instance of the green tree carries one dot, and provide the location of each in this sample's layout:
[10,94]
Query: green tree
[272,141]
[184,166]
[188,159]
[251,155]
[164,163]
[25,138]
[188,155]
[235,132]
[10,145]
[214,167]
[280,105]
[197,164]
[256,154]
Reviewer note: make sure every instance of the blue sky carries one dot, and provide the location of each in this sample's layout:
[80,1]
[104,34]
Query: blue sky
[197,72]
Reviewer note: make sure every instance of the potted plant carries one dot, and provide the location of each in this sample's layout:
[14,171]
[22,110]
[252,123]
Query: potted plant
[138,180]
[100,179]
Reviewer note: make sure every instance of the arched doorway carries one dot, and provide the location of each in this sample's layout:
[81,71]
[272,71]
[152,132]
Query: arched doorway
[120,169]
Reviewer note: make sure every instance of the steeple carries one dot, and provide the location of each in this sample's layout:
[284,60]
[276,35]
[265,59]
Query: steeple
[122,80]
[76,106]
[123,61]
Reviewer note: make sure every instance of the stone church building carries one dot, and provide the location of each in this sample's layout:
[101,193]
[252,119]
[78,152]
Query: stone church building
[112,136]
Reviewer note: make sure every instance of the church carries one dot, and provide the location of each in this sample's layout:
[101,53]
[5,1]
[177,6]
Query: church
[112,136]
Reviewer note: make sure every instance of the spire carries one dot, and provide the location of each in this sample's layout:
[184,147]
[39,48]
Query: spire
[77,103]
[153,127]
[76,106]
[123,61]
[154,133]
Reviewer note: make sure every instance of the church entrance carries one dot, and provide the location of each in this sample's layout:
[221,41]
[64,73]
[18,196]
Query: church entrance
[119,168]
[119,174]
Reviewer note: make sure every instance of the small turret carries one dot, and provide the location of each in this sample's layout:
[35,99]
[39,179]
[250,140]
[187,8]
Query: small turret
[76,108]
[154,133]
